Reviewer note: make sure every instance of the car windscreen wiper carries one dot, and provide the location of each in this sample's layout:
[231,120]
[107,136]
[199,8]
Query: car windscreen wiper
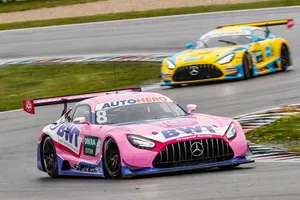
[228,42]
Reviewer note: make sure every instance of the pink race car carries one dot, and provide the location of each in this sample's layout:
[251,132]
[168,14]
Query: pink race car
[128,132]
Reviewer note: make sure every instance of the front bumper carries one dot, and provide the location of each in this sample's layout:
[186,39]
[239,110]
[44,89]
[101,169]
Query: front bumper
[126,172]
[230,72]
[222,157]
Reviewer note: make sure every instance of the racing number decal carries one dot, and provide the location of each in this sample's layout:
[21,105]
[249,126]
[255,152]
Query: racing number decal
[268,51]
[101,116]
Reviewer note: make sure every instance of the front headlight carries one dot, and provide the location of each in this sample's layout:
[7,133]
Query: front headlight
[170,65]
[231,132]
[141,142]
[226,59]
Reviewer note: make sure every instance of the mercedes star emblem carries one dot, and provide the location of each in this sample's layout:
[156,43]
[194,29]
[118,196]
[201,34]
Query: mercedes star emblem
[194,70]
[196,149]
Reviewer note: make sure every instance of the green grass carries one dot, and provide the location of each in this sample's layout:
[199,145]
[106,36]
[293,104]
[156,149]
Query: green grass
[150,13]
[35,4]
[19,82]
[284,132]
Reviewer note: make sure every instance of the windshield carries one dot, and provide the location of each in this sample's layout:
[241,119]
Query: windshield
[222,41]
[138,112]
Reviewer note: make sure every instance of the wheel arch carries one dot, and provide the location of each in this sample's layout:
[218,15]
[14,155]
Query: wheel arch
[43,138]
[106,138]
[277,46]
[285,43]
[243,52]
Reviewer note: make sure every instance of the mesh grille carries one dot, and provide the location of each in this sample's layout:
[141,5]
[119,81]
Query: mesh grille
[180,154]
[206,71]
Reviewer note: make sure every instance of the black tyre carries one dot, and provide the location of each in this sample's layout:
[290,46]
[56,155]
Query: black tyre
[228,167]
[285,58]
[176,86]
[49,158]
[112,160]
[246,66]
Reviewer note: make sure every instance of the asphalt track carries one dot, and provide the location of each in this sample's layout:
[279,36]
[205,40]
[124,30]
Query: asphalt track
[19,178]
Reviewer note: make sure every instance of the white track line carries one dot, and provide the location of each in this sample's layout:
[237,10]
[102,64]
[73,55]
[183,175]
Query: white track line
[10,111]
[153,18]
[140,19]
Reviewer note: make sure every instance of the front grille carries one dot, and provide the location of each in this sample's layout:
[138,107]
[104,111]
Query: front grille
[179,154]
[205,71]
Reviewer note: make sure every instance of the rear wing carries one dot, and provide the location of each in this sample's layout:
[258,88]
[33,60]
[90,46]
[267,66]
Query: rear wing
[288,22]
[29,105]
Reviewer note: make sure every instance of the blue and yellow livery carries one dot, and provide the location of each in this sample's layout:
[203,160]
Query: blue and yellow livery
[238,51]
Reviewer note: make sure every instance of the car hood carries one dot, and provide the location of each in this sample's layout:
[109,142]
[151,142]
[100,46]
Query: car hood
[203,55]
[180,127]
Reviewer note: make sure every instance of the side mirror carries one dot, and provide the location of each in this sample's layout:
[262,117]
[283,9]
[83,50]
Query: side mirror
[79,120]
[191,108]
[189,46]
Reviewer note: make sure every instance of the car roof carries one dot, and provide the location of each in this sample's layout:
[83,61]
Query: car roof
[234,30]
[121,96]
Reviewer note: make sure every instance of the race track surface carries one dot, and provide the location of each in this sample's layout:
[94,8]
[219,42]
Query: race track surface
[19,177]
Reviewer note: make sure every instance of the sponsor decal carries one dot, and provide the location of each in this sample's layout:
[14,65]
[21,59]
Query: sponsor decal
[114,104]
[91,146]
[68,135]
[166,75]
[257,56]
[56,125]
[171,133]
[89,169]
[194,137]
[28,106]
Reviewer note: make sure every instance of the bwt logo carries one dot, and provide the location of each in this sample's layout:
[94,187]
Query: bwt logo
[69,131]
[187,130]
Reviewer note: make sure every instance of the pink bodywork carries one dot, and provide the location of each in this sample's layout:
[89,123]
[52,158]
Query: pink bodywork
[140,157]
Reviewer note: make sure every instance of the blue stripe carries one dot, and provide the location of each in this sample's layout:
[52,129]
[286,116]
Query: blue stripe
[238,160]
[173,58]
[74,172]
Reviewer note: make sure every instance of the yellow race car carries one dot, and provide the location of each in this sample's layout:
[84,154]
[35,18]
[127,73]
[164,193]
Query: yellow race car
[238,51]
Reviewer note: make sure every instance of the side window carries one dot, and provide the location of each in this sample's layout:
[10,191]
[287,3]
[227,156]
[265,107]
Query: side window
[258,33]
[83,111]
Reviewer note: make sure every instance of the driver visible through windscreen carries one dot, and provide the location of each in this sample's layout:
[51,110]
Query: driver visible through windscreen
[221,41]
[115,113]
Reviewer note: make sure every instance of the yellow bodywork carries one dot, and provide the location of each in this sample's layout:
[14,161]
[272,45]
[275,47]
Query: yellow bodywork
[268,50]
